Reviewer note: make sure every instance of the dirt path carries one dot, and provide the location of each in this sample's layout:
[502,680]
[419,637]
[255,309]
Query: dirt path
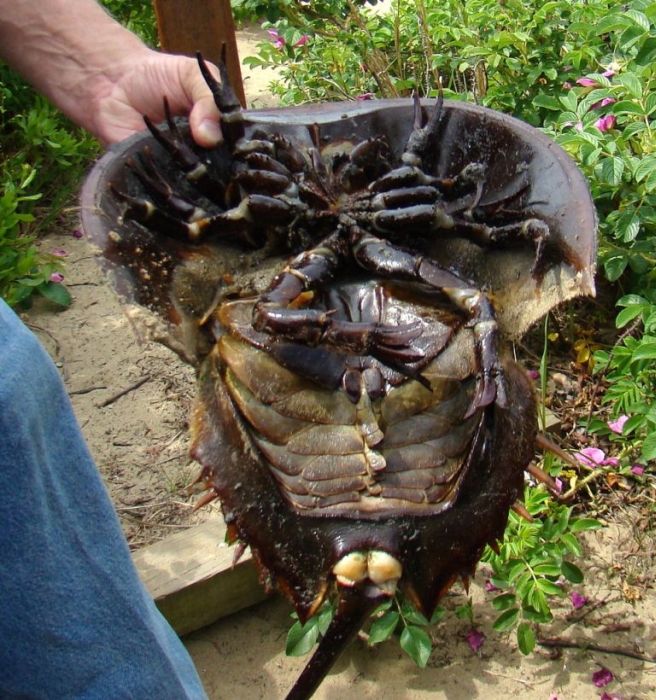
[140,443]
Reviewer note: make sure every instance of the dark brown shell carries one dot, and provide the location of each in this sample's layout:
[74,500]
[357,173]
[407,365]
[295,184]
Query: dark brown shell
[178,281]
[305,475]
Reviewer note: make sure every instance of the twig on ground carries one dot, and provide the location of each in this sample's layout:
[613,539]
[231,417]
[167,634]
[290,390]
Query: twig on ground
[86,390]
[559,643]
[123,392]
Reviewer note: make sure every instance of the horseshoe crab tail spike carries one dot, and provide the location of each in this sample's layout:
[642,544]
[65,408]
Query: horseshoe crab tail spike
[204,500]
[353,609]
[519,508]
[542,476]
[544,443]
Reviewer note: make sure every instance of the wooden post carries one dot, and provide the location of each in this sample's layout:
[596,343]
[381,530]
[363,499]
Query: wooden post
[201,25]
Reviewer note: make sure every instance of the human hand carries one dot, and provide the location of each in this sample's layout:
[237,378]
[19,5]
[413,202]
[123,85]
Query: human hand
[137,88]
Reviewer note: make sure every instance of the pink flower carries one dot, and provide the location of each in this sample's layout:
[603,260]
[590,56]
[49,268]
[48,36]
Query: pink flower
[365,96]
[617,425]
[611,462]
[608,73]
[609,696]
[489,586]
[587,82]
[59,253]
[606,123]
[603,103]
[602,677]
[533,374]
[637,469]
[558,485]
[302,41]
[553,696]
[475,639]
[56,277]
[578,600]
[278,41]
[591,456]
[77,233]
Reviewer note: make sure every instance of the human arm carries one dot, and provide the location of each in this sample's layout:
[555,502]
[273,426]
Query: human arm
[99,73]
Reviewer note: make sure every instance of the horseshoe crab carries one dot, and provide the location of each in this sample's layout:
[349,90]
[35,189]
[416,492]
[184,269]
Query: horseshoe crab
[347,278]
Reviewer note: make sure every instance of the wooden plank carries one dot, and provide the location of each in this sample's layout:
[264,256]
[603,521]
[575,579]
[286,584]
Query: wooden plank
[192,580]
[202,25]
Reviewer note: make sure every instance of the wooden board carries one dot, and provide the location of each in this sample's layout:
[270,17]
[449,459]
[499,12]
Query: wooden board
[192,580]
[202,25]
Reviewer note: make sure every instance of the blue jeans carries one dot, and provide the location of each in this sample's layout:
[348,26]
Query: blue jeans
[75,621]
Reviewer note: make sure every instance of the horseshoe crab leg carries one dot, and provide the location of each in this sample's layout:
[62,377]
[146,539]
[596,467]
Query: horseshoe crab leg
[225,98]
[384,258]
[197,172]
[277,312]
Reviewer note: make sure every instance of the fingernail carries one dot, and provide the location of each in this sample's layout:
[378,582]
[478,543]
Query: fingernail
[208,132]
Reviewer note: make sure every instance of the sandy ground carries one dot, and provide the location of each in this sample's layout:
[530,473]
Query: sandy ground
[139,440]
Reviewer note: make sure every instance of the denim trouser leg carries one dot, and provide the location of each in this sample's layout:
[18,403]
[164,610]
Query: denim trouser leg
[75,621]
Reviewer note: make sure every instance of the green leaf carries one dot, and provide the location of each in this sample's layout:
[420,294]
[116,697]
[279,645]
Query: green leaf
[584,524]
[301,638]
[611,170]
[383,628]
[417,645]
[438,615]
[414,616]
[638,18]
[572,544]
[56,292]
[547,102]
[631,300]
[525,638]
[569,101]
[649,447]
[503,601]
[547,570]
[647,52]
[324,617]
[506,620]
[549,587]
[646,351]
[541,617]
[627,107]
[646,167]
[627,315]
[610,23]
[615,266]
[572,572]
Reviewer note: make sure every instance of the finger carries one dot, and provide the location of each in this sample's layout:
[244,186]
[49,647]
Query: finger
[204,116]
[204,123]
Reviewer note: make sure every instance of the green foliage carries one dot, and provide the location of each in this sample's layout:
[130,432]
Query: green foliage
[43,157]
[607,124]
[532,561]
[630,370]
[302,637]
[504,55]
[138,16]
[23,270]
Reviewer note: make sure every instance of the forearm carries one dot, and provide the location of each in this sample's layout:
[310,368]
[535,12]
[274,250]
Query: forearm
[70,50]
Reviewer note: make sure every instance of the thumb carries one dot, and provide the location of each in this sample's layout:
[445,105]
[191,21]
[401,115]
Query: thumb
[204,116]
[204,122]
